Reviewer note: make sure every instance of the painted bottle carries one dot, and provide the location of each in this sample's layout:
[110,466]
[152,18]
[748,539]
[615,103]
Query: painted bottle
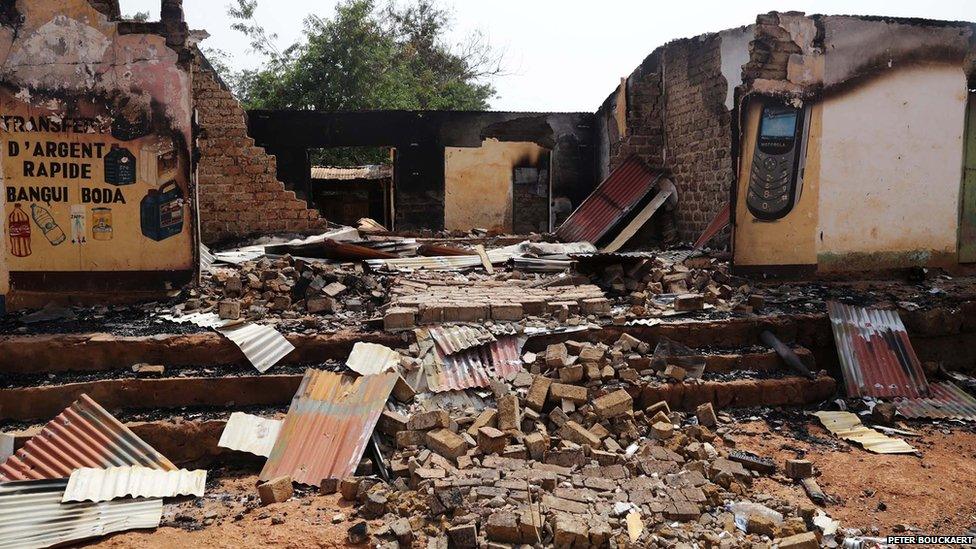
[50,228]
[20,232]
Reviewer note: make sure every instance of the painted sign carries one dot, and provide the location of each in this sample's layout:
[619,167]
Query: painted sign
[88,192]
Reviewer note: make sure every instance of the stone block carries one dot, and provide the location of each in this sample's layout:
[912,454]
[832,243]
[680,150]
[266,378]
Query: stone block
[572,393]
[574,432]
[509,417]
[447,443]
[275,491]
[538,392]
[229,309]
[491,440]
[706,415]
[396,318]
[426,421]
[799,468]
[614,404]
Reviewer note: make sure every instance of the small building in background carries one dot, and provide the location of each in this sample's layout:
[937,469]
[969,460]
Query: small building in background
[347,194]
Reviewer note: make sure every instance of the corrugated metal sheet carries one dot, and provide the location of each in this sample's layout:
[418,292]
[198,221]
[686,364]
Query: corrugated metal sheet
[372,358]
[610,203]
[539,265]
[84,435]
[328,426]
[338,173]
[876,355]
[32,515]
[252,434]
[454,339]
[848,427]
[443,263]
[263,346]
[473,367]
[946,400]
[97,485]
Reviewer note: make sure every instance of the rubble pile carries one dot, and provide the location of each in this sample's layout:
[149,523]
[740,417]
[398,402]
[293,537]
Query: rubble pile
[561,464]
[433,300]
[289,289]
[659,286]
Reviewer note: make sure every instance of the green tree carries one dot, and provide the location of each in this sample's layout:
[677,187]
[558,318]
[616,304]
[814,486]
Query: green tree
[367,56]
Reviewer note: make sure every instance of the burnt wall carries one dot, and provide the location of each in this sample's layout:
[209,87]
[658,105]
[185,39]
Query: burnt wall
[239,192]
[420,138]
[676,120]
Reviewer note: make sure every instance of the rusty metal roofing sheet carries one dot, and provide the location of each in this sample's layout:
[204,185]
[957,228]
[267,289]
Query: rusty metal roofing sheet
[328,426]
[945,401]
[84,435]
[32,515]
[95,485]
[473,367]
[454,339]
[610,203]
[372,358]
[876,355]
[252,434]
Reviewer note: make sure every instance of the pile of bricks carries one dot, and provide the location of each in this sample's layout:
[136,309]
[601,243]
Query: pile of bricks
[287,288]
[654,286]
[435,301]
[566,465]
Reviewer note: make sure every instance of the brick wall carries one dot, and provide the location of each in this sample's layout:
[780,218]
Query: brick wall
[238,191]
[677,121]
[699,133]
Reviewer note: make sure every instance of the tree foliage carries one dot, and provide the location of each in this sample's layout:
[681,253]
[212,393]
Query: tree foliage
[367,56]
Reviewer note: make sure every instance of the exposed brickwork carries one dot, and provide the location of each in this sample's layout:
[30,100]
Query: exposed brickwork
[677,121]
[238,190]
[699,133]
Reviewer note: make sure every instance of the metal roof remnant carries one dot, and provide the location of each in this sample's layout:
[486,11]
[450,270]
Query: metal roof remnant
[263,346]
[84,435]
[875,352]
[848,427]
[372,358]
[248,433]
[454,339]
[33,516]
[369,172]
[447,368]
[328,426]
[612,201]
[96,485]
[946,400]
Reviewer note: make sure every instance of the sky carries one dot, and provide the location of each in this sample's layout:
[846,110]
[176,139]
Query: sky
[559,55]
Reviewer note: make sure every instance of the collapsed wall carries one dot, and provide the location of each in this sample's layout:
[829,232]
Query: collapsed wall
[239,192]
[674,112]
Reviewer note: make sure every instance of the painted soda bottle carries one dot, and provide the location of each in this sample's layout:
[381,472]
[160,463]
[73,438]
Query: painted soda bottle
[20,232]
[50,228]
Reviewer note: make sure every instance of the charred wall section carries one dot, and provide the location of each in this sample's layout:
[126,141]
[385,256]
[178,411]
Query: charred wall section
[95,125]
[420,139]
[677,119]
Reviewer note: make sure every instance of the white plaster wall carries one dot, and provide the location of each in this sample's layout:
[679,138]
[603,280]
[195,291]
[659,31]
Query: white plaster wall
[891,163]
[734,50]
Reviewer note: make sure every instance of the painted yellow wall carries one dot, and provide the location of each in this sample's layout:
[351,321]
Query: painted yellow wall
[68,67]
[478,183]
[882,180]
[890,180]
[792,239]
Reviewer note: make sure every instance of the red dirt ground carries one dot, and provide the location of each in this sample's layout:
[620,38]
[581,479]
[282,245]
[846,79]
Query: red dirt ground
[933,493]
